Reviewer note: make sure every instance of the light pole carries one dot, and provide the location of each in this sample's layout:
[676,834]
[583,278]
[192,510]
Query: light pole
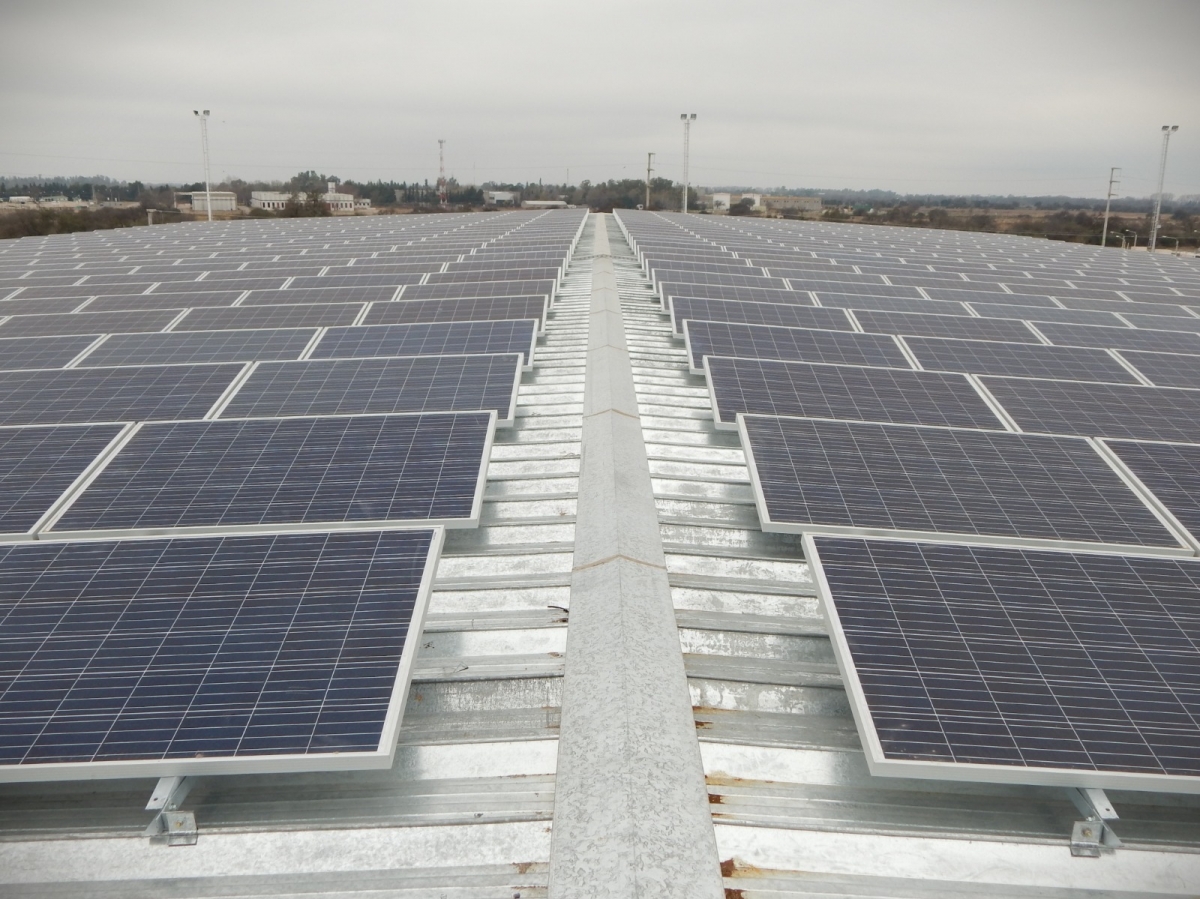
[203,117]
[1167,130]
[687,120]
[649,171]
[1112,180]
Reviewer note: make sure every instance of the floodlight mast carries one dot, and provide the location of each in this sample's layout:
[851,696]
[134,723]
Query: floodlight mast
[1167,131]
[687,119]
[649,172]
[1112,181]
[203,117]
[443,193]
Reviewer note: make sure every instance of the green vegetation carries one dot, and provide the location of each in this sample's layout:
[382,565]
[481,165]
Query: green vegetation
[36,222]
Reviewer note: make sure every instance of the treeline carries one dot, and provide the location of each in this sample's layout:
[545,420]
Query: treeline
[37,222]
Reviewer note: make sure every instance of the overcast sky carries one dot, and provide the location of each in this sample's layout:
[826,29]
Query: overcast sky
[955,96]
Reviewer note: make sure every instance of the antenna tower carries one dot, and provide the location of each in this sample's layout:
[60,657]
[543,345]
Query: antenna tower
[443,192]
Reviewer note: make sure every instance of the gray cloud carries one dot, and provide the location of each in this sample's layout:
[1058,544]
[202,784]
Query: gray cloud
[1012,96]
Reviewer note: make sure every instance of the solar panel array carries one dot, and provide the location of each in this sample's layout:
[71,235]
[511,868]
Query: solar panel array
[996,405]
[228,452]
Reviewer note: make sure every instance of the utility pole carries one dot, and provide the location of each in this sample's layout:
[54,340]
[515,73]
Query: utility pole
[687,120]
[1112,180]
[1167,131]
[442,191]
[203,117]
[649,172]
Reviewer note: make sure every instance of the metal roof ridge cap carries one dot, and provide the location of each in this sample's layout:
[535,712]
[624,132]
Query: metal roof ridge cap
[631,810]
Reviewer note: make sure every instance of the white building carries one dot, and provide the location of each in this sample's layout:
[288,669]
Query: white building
[337,202]
[269,199]
[222,200]
[501,198]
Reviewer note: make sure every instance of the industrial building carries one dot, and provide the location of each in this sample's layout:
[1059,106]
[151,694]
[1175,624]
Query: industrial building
[555,554]
[336,201]
[222,200]
[720,202]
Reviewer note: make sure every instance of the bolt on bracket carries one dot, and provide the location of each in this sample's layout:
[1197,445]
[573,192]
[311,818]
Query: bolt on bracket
[1093,835]
[171,826]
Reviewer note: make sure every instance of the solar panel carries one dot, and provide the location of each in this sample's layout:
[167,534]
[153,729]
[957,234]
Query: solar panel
[1099,410]
[978,296]
[528,273]
[793,344]
[1020,666]
[309,315]
[850,289]
[239,284]
[1116,338]
[439,339]
[234,654]
[87,323]
[1166,369]
[176,301]
[37,465]
[366,386]
[460,310]
[344,280]
[890,304]
[1171,471]
[685,308]
[183,347]
[469,289]
[75,395]
[42,352]
[294,296]
[726,292]
[843,392]
[274,472]
[965,327]
[49,306]
[1041,314]
[865,478]
[1019,360]
[1156,322]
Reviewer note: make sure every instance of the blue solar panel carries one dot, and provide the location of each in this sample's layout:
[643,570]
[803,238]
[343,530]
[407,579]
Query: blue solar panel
[308,315]
[861,478]
[436,339]
[843,392]
[1028,666]
[1019,360]
[235,654]
[1163,341]
[42,352]
[789,344]
[1172,473]
[685,308]
[961,326]
[421,468]
[366,386]
[1166,369]
[182,347]
[87,323]
[459,310]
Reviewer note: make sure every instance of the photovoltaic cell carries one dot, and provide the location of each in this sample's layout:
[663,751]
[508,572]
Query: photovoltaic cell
[1166,369]
[735,311]
[1042,314]
[365,386]
[669,290]
[843,392]
[437,339]
[293,296]
[223,653]
[469,289]
[1115,338]
[891,304]
[309,315]
[861,478]
[176,301]
[1031,666]
[38,464]
[789,344]
[1018,360]
[1171,471]
[289,471]
[1099,410]
[75,395]
[182,347]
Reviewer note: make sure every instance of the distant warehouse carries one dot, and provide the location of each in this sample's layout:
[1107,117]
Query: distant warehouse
[723,202]
[222,200]
[337,202]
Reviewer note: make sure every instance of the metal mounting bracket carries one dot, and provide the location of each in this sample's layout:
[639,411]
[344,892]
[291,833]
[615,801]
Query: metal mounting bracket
[171,826]
[1093,835]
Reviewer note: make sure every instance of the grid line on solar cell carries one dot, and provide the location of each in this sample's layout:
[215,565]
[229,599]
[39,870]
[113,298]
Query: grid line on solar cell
[434,339]
[309,315]
[961,326]
[42,352]
[1099,410]
[1165,369]
[184,347]
[738,312]
[158,392]
[811,390]
[366,386]
[705,338]
[465,309]
[1031,666]
[853,477]
[233,654]
[37,465]
[272,472]
[1020,360]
